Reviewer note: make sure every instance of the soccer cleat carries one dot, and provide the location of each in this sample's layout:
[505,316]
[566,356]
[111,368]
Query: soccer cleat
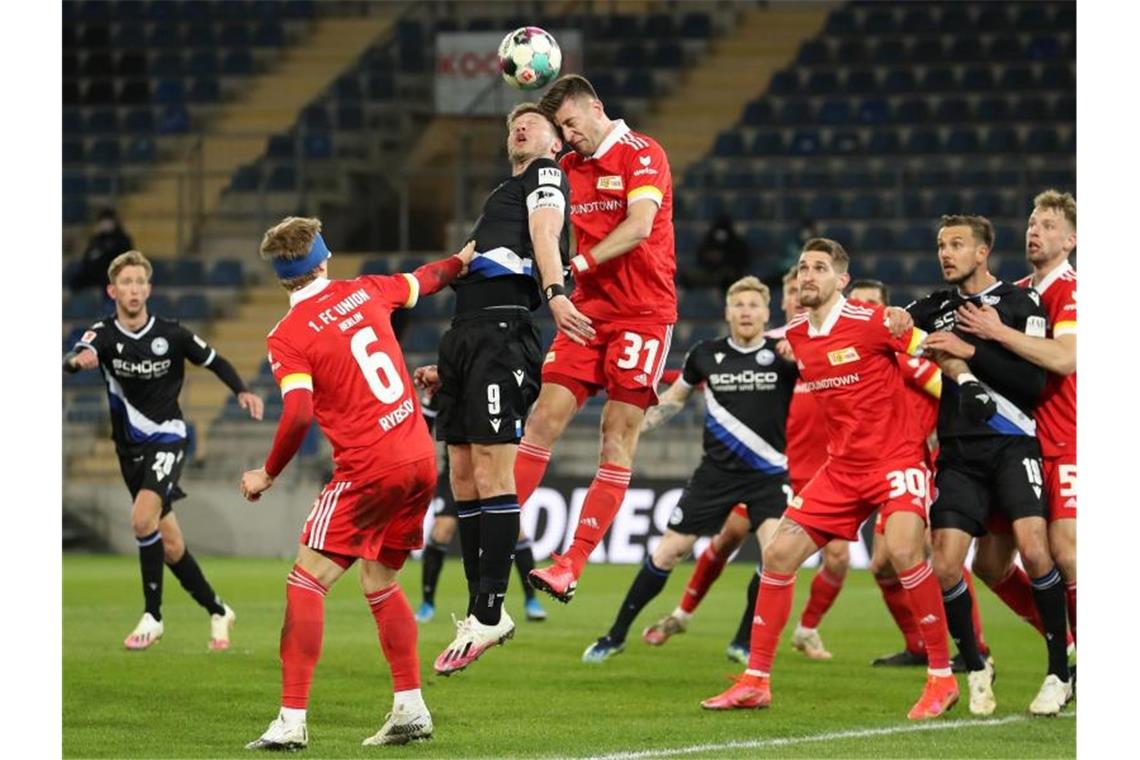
[938,695]
[737,653]
[145,634]
[958,662]
[903,659]
[1054,695]
[807,640]
[981,683]
[658,633]
[425,613]
[747,693]
[472,639]
[282,736]
[602,650]
[220,627]
[401,727]
[557,580]
[534,611]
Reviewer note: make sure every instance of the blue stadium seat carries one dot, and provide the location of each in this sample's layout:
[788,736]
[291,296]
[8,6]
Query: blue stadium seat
[729,144]
[1066,18]
[202,63]
[169,91]
[376,266]
[876,239]
[747,207]
[269,34]
[105,152]
[282,178]
[98,64]
[919,238]
[883,142]
[1032,17]
[758,239]
[348,88]
[813,52]
[805,142]
[167,64]
[963,140]
[315,117]
[382,87]
[193,307]
[102,120]
[696,26]
[944,202]
[142,150]
[991,109]
[74,184]
[95,36]
[874,111]
[697,303]
[928,51]
[174,119]
[639,84]
[912,111]
[246,179]
[899,80]
[977,79]
[187,272]
[823,82]
[864,206]
[988,204]
[99,92]
[888,269]
[879,21]
[965,48]
[767,144]
[225,273]
[205,90]
[660,26]
[1001,140]
[923,141]
[861,80]
[835,112]
[1044,48]
[1058,76]
[667,55]
[1017,78]
[235,36]
[161,304]
[71,94]
[200,36]
[1042,140]
[709,206]
[841,21]
[1065,108]
[951,110]
[825,206]
[919,20]
[845,142]
[1012,268]
[994,18]
[349,117]
[631,55]
[939,79]
[791,207]
[237,63]
[783,82]
[851,51]
[889,51]
[796,112]
[757,113]
[1004,49]
[162,12]
[318,145]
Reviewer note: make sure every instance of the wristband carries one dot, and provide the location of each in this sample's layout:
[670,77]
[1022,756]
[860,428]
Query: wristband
[582,262]
[966,377]
[553,291]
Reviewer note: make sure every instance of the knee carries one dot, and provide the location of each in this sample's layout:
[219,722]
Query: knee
[779,559]
[1066,559]
[837,560]
[666,558]
[946,570]
[543,426]
[144,525]
[989,570]
[1037,559]
[880,567]
[173,548]
[443,530]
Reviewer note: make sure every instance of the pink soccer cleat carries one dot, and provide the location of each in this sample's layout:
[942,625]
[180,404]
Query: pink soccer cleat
[145,634]
[220,626]
[472,639]
[558,579]
[747,693]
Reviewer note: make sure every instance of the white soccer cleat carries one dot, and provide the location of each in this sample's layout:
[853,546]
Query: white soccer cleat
[1054,695]
[981,685]
[220,626]
[807,640]
[402,726]
[146,633]
[472,639]
[282,735]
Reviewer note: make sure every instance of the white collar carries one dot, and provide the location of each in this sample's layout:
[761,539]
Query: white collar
[136,335]
[310,290]
[829,321]
[1052,277]
[968,296]
[746,349]
[619,131]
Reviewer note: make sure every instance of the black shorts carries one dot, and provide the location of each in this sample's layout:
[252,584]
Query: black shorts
[490,368]
[711,493]
[154,467]
[982,476]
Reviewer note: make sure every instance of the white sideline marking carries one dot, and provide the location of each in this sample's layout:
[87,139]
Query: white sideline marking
[831,736]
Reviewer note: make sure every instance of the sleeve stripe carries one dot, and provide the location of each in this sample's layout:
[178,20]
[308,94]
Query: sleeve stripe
[81,344]
[933,386]
[645,191]
[1068,327]
[413,290]
[210,358]
[916,338]
[297,380]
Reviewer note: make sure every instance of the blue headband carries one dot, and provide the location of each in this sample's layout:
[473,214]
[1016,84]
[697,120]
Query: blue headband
[289,268]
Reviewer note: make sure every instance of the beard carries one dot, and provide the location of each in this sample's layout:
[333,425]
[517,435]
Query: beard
[813,298]
[960,278]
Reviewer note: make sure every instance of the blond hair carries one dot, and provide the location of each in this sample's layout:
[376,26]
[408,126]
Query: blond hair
[791,274]
[1063,202]
[749,283]
[289,240]
[525,108]
[128,259]
[837,252]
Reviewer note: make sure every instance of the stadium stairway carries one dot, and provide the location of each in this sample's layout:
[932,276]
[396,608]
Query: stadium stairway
[738,68]
[271,103]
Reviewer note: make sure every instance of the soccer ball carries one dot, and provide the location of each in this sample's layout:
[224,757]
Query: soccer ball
[529,58]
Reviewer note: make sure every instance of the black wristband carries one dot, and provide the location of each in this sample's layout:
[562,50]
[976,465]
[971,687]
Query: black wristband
[553,291]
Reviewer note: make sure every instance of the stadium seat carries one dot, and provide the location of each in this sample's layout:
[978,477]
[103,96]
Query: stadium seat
[1066,18]
[315,117]
[269,34]
[174,119]
[880,22]
[1032,17]
[956,20]
[235,36]
[349,118]
[927,51]
[102,120]
[1041,140]
[874,111]
[317,145]
[237,63]
[282,178]
[1058,76]
[1004,49]
[246,179]
[796,112]
[834,112]
[200,36]
[1044,48]
[381,87]
[994,18]
[988,204]
[142,150]
[767,144]
[758,239]
[923,141]
[729,144]
[951,110]
[659,26]
[851,51]
[1017,78]
[825,206]
[631,55]
[883,142]
[697,303]
[225,273]
[696,26]
[74,184]
[912,111]
[710,206]
[860,80]
[864,206]
[919,20]
[667,55]
[965,48]
[962,140]
[376,266]
[169,91]
[939,79]
[193,307]
[876,239]
[991,109]
[205,90]
[889,51]
[845,142]
[888,269]
[919,239]
[977,79]
[104,152]
[783,82]
[757,113]
[1065,108]
[899,80]
[805,142]
[944,202]
[167,64]
[95,36]
[1012,268]
[639,84]
[813,52]
[202,63]
[187,272]
[1001,140]
[841,21]
[98,63]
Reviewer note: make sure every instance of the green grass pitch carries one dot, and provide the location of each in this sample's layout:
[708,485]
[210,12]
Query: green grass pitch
[532,697]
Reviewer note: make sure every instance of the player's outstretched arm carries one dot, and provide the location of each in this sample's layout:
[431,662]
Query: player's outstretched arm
[1057,354]
[636,227]
[296,416]
[75,360]
[672,401]
[437,275]
[247,400]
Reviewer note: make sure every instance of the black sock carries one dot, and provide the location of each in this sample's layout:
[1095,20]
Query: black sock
[469,516]
[648,584]
[1049,593]
[524,561]
[960,621]
[151,565]
[498,532]
[744,632]
[434,555]
[188,573]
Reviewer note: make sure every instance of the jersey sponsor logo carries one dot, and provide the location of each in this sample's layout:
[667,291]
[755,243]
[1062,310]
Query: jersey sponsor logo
[549,176]
[612,182]
[397,415]
[612,204]
[159,346]
[765,357]
[146,369]
[645,160]
[747,377]
[1035,326]
[543,198]
[87,337]
[519,376]
[645,171]
[832,382]
[842,356]
[719,356]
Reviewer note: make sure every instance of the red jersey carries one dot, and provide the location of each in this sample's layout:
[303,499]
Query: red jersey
[806,437]
[849,365]
[923,390]
[1056,414]
[337,341]
[638,285]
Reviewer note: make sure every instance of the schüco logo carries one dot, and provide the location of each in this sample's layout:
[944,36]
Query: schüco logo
[743,378]
[144,368]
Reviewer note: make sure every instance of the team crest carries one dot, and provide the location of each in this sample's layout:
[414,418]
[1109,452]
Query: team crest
[677,516]
[549,358]
[87,337]
[159,346]
[765,357]
[842,356]
[991,300]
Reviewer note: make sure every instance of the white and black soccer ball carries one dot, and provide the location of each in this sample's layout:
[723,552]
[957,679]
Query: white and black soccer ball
[529,58]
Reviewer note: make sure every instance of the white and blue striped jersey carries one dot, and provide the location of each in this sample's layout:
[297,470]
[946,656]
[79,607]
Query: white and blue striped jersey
[747,394]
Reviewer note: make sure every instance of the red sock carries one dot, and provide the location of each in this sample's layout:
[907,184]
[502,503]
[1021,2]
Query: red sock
[301,636]
[1017,593]
[925,598]
[773,607]
[397,628]
[983,647]
[708,569]
[824,588]
[603,501]
[530,466]
[898,604]
[1071,600]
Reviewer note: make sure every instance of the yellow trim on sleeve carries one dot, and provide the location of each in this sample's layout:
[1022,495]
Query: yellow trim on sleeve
[916,338]
[645,191]
[934,385]
[295,381]
[1068,327]
[413,290]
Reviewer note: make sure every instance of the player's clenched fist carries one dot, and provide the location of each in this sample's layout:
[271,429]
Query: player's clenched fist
[427,378]
[254,483]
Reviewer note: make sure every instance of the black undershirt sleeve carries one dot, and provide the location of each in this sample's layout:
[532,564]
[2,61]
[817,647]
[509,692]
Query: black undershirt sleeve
[227,374]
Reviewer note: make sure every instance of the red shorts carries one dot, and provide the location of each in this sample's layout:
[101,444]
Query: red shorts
[1061,486]
[625,359]
[367,515]
[835,502]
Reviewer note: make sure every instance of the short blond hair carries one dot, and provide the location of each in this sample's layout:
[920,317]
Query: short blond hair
[128,259]
[289,240]
[792,274]
[749,283]
[1063,202]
